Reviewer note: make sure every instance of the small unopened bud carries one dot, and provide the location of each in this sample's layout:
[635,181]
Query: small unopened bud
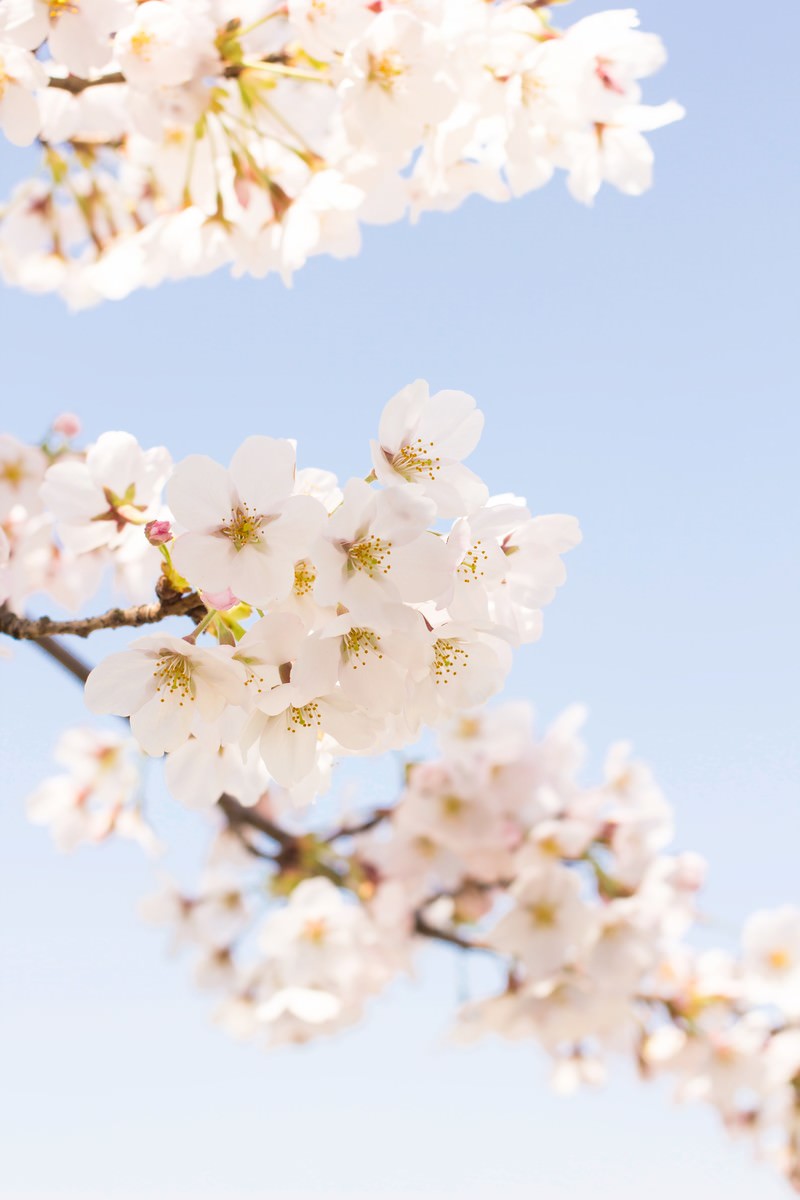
[158,533]
[67,424]
[221,601]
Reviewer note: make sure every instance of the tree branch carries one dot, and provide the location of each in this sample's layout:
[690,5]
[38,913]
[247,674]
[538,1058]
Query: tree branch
[423,928]
[364,826]
[238,815]
[76,85]
[35,629]
[76,666]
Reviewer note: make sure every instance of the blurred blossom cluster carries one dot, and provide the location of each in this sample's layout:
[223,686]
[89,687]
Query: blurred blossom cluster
[495,848]
[181,135]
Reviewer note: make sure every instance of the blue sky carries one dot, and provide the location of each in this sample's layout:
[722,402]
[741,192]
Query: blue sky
[637,366]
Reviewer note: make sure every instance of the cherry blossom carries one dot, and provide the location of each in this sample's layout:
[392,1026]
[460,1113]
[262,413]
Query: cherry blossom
[180,137]
[422,439]
[245,528]
[99,497]
[166,686]
[97,796]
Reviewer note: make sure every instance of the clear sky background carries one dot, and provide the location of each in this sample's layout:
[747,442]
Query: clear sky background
[637,364]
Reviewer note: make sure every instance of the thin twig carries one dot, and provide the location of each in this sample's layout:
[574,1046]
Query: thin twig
[70,662]
[423,928]
[75,84]
[238,815]
[36,628]
[364,826]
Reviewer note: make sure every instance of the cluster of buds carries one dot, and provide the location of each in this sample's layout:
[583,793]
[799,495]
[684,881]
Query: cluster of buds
[181,135]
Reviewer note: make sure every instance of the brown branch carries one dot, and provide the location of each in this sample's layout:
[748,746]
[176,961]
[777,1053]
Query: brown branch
[423,928]
[364,826]
[70,662]
[238,815]
[76,85]
[36,628]
[239,818]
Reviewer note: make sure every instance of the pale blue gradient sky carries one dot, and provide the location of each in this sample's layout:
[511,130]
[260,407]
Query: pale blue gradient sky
[637,365]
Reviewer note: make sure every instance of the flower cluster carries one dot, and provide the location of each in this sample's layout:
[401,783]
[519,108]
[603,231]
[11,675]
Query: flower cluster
[181,135]
[497,848]
[66,517]
[333,621]
[99,793]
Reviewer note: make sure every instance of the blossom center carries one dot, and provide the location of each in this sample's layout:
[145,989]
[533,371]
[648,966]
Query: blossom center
[470,569]
[12,471]
[314,930]
[305,577]
[244,527]
[452,806]
[141,44]
[306,717]
[448,659]
[414,459]
[173,675]
[543,914]
[358,644]
[779,959]
[370,555]
[58,8]
[385,69]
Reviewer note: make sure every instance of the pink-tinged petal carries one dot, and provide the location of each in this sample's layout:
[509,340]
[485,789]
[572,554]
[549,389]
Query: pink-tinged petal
[158,533]
[80,539]
[153,473]
[193,776]
[402,514]
[300,522]
[351,728]
[306,1004]
[561,533]
[76,42]
[275,700]
[222,601]
[275,639]
[330,563]
[114,461]
[317,669]
[373,685]
[67,424]
[52,799]
[20,117]
[263,471]
[201,494]
[401,414]
[161,725]
[260,576]
[120,684]
[457,492]
[422,570]
[289,750]
[218,680]
[206,561]
[354,514]
[70,493]
[452,423]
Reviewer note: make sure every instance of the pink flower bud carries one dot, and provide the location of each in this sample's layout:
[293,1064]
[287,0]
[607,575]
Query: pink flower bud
[158,533]
[67,424]
[219,600]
